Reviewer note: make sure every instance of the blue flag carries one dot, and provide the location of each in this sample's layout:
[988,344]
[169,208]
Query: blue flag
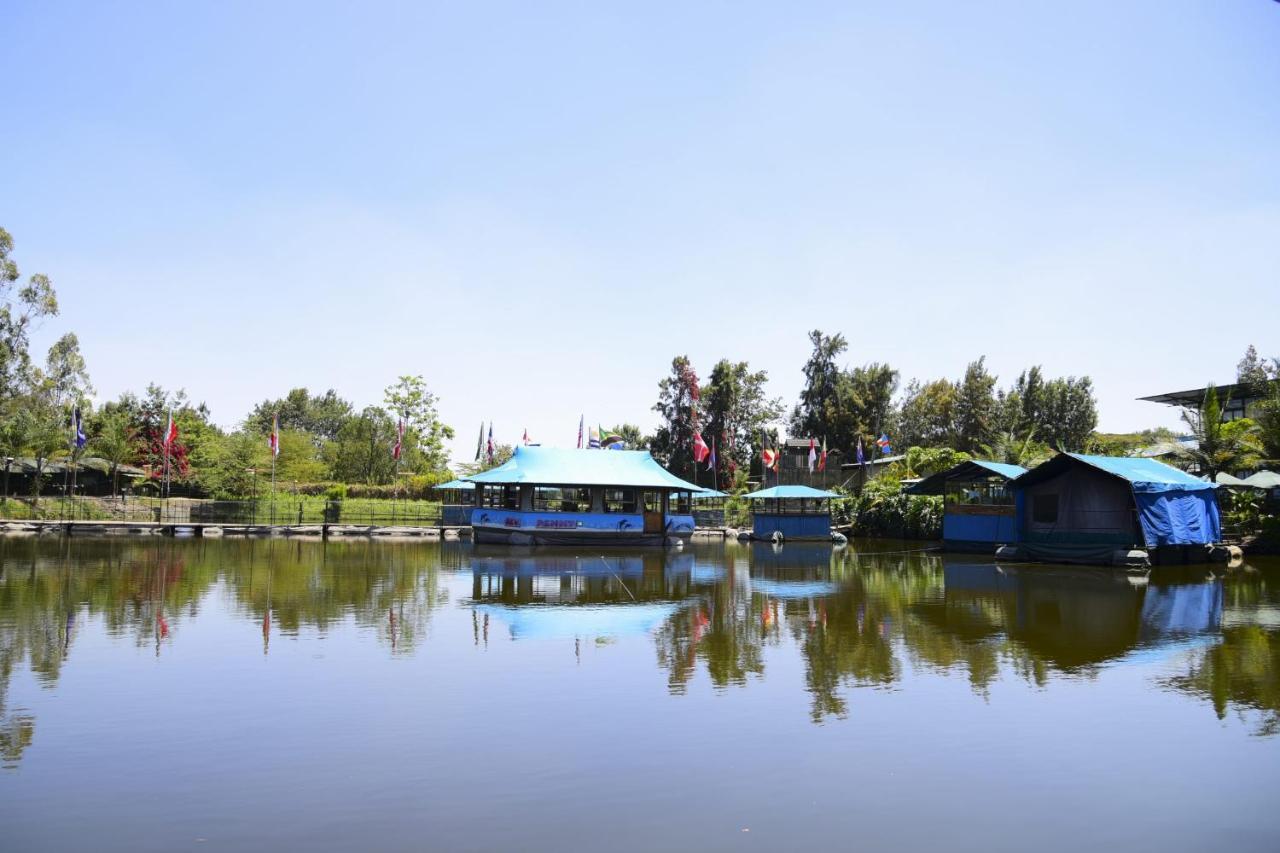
[862,460]
[80,438]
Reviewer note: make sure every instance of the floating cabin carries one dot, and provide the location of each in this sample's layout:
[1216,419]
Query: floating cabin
[708,508]
[1106,510]
[457,499]
[978,511]
[548,496]
[797,512]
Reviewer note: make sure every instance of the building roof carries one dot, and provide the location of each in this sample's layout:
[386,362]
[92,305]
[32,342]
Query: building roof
[707,494]
[559,467]
[1143,474]
[970,470]
[1225,479]
[790,492]
[877,460]
[1264,480]
[1195,396]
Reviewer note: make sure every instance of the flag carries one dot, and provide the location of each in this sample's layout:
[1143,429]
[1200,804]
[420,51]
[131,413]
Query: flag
[593,438]
[813,454]
[822,460]
[275,436]
[700,449]
[861,458]
[480,442]
[769,458]
[525,440]
[581,420]
[170,432]
[883,443]
[78,438]
[489,447]
[399,446]
[711,458]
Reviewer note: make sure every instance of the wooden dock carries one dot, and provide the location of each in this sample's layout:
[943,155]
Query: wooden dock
[110,527]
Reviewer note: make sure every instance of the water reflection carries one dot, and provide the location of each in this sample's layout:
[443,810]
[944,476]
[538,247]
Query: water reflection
[852,618]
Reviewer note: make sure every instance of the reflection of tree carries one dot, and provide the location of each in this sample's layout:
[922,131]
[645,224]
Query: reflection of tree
[146,589]
[1242,671]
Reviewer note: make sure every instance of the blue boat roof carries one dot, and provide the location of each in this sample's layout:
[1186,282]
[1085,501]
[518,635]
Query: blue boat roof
[790,492]
[705,494]
[552,621]
[558,467]
[935,484]
[455,484]
[1143,473]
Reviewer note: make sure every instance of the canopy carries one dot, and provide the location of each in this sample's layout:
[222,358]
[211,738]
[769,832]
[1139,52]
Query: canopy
[974,469]
[1263,480]
[455,484]
[1225,479]
[791,492]
[558,467]
[707,494]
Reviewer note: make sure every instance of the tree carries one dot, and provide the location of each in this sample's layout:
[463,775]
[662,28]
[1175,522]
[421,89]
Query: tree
[822,379]
[737,409]
[409,398]
[320,415]
[631,436]
[362,451]
[1268,425]
[679,405]
[1255,373]
[66,377]
[115,441]
[21,308]
[1013,449]
[975,407]
[928,415]
[1070,413]
[1218,446]
[501,453]
[46,438]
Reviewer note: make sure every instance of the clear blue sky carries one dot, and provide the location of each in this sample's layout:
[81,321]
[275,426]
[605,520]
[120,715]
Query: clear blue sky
[537,206]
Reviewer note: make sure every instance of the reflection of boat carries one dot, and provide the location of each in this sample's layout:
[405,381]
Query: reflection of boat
[563,577]
[545,622]
[793,588]
[1074,616]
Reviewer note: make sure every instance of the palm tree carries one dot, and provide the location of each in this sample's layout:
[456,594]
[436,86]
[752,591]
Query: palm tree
[1218,446]
[115,443]
[46,438]
[13,440]
[1008,448]
[1268,424]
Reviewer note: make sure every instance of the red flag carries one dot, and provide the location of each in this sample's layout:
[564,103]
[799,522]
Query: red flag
[171,432]
[769,458]
[399,446]
[700,449]
[822,460]
[813,454]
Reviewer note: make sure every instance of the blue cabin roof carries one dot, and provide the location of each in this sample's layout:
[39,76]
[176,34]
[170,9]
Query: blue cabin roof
[934,484]
[455,484]
[558,467]
[1145,475]
[790,492]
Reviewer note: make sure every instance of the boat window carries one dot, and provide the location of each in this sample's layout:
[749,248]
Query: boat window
[990,492]
[652,501]
[561,499]
[619,500]
[495,496]
[511,497]
[1044,509]
[683,504]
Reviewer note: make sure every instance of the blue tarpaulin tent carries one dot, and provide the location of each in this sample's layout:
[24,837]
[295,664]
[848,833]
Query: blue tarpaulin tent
[1082,508]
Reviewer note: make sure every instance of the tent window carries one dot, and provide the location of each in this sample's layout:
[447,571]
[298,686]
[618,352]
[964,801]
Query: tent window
[1044,509]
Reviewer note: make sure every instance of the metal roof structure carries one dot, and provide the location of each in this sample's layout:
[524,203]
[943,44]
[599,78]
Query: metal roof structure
[973,469]
[790,492]
[1142,473]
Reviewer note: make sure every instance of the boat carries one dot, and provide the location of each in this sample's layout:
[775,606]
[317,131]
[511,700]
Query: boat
[550,496]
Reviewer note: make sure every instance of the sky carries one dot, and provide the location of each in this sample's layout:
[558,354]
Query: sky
[536,207]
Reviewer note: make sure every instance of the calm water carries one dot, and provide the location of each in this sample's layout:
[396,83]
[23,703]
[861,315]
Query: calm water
[170,694]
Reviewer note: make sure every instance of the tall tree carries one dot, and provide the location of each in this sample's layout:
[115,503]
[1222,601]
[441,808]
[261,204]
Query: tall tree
[115,441]
[737,409]
[320,415]
[680,407]
[822,381]
[22,306]
[928,415]
[1219,446]
[409,398]
[975,407]
[362,451]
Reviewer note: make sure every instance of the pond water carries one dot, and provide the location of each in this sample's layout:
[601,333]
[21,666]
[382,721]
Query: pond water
[162,694]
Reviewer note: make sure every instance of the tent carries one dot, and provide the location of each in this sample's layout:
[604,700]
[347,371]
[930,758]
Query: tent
[1078,508]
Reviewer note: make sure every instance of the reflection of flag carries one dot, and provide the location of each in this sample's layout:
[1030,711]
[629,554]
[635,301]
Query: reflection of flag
[274,441]
[862,460]
[813,454]
[883,443]
[700,449]
[822,460]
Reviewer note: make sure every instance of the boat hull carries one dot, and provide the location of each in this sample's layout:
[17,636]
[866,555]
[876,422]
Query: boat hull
[508,536]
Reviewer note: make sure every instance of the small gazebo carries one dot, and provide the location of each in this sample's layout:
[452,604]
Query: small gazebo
[797,512]
[456,501]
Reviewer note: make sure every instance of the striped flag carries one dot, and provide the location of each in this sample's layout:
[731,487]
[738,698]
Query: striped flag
[275,435]
[581,421]
[489,447]
[822,460]
[700,449]
[711,457]
[813,454]
[171,432]
[399,445]
[480,442]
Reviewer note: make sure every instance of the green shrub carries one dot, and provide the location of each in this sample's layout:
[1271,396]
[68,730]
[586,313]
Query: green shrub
[336,492]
